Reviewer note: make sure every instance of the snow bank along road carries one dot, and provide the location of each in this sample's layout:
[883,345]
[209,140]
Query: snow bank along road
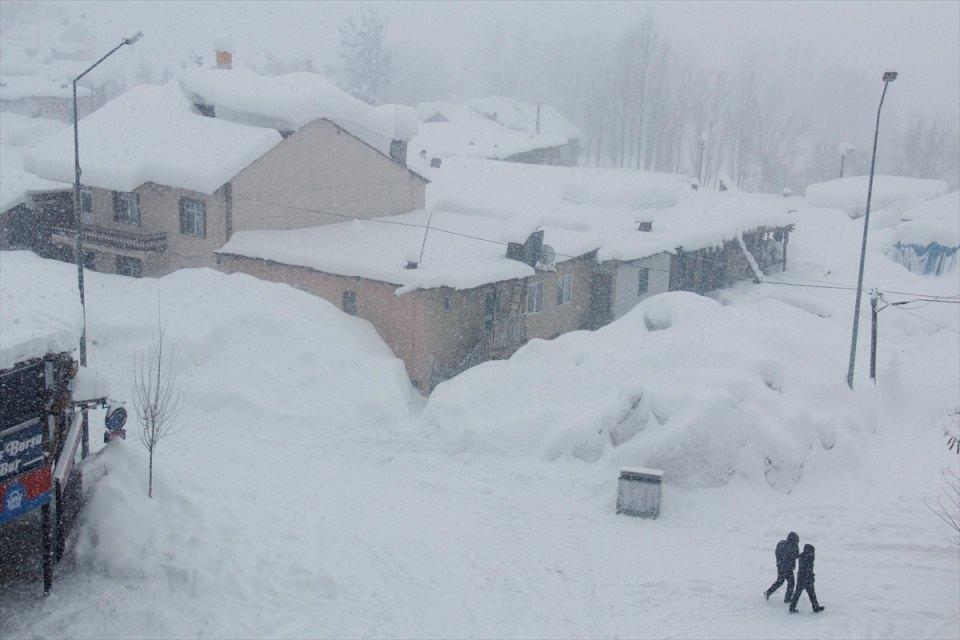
[310,494]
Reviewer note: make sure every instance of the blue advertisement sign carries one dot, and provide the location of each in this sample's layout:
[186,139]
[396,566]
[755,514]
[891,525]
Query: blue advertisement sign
[26,492]
[21,449]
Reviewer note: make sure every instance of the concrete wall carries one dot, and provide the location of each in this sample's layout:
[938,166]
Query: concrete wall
[322,167]
[626,281]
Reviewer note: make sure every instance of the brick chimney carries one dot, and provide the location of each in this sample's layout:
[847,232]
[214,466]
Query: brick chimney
[224,59]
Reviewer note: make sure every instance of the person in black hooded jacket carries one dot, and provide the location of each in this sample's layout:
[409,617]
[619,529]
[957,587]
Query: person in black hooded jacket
[786,553]
[805,579]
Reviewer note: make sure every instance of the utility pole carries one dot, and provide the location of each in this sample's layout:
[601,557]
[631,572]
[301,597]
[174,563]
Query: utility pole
[888,77]
[873,335]
[538,118]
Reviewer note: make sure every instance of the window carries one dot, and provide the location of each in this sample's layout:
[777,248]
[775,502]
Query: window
[86,205]
[126,207]
[643,281]
[193,217]
[350,302]
[535,297]
[565,289]
[132,267]
[447,302]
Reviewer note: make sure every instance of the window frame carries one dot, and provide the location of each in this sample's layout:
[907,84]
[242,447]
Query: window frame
[536,297]
[122,203]
[643,281]
[129,260]
[192,229]
[565,289]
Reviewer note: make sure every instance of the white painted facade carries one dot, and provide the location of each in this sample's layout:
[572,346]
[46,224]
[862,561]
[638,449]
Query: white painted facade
[626,282]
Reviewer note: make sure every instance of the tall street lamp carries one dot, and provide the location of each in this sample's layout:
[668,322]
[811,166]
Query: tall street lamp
[888,77]
[130,39]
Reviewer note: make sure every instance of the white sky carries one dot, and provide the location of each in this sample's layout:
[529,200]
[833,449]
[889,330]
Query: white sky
[920,39]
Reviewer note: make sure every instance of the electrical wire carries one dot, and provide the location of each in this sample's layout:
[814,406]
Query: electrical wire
[838,287]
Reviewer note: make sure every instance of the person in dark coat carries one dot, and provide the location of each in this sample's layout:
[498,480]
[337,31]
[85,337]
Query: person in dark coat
[786,554]
[805,580]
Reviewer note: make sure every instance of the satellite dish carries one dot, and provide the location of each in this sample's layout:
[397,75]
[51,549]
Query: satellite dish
[547,255]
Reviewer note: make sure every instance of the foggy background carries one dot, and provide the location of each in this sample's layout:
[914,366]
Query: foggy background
[769,89]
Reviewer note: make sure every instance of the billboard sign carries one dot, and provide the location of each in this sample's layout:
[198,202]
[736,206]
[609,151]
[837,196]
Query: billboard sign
[24,493]
[21,449]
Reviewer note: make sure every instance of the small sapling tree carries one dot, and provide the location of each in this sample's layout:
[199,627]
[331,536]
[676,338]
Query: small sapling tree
[157,399]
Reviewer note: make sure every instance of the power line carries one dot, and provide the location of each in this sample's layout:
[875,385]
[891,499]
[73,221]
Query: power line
[918,316]
[427,227]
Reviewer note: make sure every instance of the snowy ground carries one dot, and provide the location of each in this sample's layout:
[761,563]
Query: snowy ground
[312,495]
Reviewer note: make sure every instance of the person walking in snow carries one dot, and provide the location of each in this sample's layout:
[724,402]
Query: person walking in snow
[805,580]
[786,553]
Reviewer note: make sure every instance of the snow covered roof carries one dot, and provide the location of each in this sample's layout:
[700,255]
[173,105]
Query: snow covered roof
[522,116]
[461,131]
[850,194]
[23,131]
[39,309]
[934,221]
[16,183]
[291,100]
[607,203]
[379,249]
[17,87]
[152,134]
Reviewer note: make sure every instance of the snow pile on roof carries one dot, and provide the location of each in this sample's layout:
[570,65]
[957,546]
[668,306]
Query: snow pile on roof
[704,392]
[406,123]
[152,134]
[522,116]
[933,221]
[19,87]
[454,130]
[291,100]
[16,183]
[609,203]
[23,131]
[380,248]
[850,194]
[39,307]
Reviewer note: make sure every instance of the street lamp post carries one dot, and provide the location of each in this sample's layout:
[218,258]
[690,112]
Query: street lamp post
[77,217]
[888,77]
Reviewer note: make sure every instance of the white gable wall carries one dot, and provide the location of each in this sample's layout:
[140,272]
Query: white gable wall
[321,168]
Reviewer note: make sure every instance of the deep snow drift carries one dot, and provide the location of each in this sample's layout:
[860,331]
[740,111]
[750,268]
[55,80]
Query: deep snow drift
[307,495]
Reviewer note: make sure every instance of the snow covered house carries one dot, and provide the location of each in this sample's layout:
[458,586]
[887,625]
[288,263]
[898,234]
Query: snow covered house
[510,252]
[39,97]
[537,118]
[19,210]
[889,192]
[171,171]
[465,290]
[927,239]
[449,130]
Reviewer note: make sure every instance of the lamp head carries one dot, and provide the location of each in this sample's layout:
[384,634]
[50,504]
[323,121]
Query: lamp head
[136,35]
[889,75]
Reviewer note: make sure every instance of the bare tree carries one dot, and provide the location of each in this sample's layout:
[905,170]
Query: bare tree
[947,507]
[368,63]
[157,399]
